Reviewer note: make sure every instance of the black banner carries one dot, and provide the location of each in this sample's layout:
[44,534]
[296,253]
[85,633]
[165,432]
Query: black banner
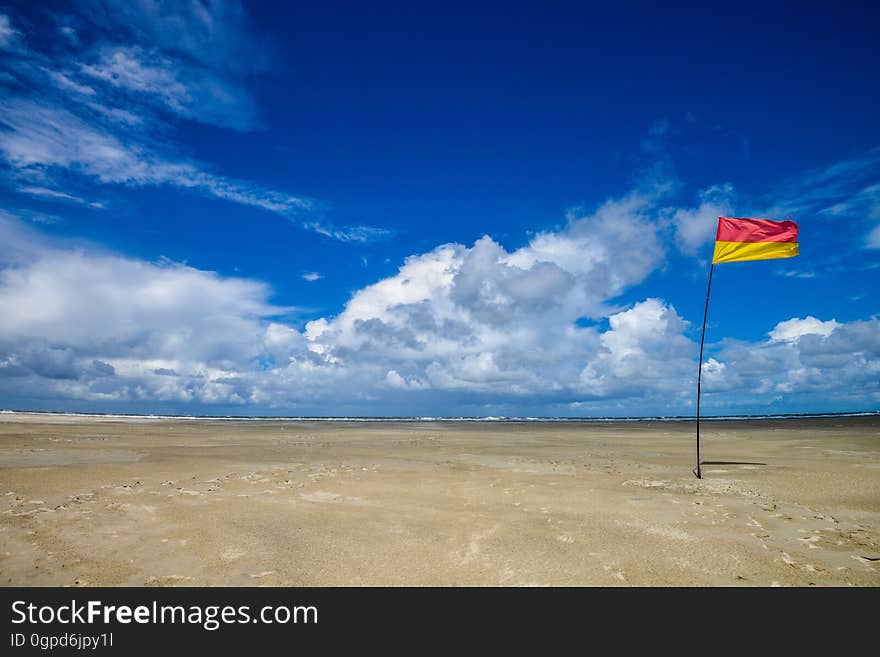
[124,620]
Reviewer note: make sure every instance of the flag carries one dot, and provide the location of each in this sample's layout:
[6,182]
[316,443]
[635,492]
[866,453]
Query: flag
[754,239]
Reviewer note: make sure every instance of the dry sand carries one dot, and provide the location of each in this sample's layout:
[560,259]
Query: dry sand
[100,501]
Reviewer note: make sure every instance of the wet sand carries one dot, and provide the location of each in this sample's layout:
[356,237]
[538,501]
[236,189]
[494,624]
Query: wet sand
[108,501]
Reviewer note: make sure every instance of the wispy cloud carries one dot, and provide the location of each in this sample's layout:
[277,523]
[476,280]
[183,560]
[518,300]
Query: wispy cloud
[29,215]
[60,196]
[872,241]
[348,233]
[841,188]
[10,38]
[311,276]
[41,140]
[96,111]
[181,88]
[794,273]
[865,203]
[217,35]
[63,82]
[848,189]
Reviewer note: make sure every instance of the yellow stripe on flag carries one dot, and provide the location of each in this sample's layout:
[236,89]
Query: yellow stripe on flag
[739,251]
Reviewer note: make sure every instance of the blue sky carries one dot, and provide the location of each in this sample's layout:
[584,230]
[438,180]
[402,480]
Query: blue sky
[224,207]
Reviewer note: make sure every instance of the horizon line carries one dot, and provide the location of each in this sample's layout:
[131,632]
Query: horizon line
[460,418]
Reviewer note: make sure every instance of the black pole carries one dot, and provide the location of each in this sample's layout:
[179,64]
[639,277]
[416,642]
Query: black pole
[697,470]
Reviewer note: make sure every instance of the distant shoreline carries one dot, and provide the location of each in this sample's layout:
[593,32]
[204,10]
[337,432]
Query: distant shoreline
[485,419]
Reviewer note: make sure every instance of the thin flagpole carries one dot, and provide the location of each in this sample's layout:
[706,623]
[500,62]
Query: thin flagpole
[697,470]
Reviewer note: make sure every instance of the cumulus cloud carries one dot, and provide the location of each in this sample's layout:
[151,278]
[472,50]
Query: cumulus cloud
[816,361]
[645,352]
[793,329]
[478,319]
[459,327]
[485,319]
[84,316]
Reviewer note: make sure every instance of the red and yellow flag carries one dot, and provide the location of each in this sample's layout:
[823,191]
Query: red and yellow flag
[754,239]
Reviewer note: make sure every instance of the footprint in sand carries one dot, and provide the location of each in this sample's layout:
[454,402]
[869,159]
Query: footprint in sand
[788,560]
[185,491]
[167,580]
[265,573]
[617,573]
[321,496]
[231,554]
[810,540]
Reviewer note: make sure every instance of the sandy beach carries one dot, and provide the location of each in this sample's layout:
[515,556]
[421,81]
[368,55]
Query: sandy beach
[164,502]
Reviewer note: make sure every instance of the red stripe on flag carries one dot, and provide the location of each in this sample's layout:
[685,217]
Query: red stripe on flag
[756,230]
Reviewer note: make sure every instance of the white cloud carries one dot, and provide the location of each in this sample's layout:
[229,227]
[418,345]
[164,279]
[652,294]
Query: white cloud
[598,248]
[795,328]
[75,307]
[479,319]
[65,83]
[479,323]
[492,321]
[116,115]
[794,273]
[865,201]
[102,113]
[847,189]
[124,67]
[645,351]
[190,56]
[696,227]
[311,276]
[873,239]
[54,194]
[179,87]
[456,328]
[40,139]
[10,37]
[823,362]
[348,233]
[214,34]
[394,380]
